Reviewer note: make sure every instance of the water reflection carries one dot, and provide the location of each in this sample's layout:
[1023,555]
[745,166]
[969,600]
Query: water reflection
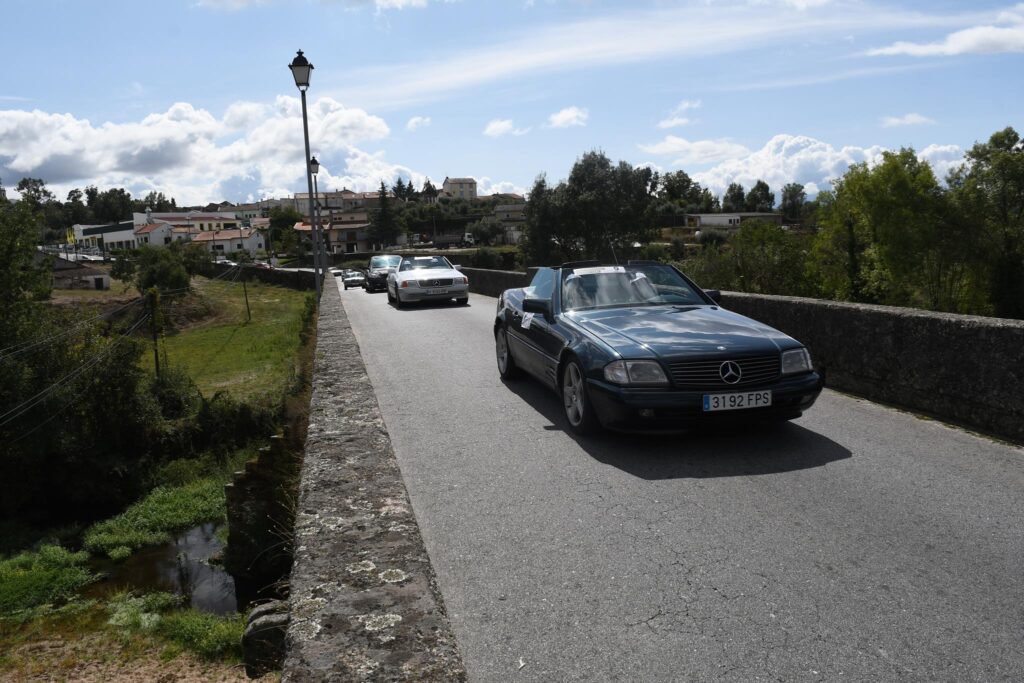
[182,567]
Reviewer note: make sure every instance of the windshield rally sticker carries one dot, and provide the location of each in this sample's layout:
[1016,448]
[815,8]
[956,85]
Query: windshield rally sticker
[527,320]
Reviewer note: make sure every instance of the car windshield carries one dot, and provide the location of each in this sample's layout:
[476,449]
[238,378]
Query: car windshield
[384,261]
[633,285]
[424,262]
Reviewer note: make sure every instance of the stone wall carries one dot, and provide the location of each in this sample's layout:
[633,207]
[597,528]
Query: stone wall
[295,279]
[960,368]
[364,603]
[494,282]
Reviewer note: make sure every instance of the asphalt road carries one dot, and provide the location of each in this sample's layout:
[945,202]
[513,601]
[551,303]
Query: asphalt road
[858,543]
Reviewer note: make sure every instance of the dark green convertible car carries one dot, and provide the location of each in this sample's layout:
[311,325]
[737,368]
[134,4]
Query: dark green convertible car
[641,347]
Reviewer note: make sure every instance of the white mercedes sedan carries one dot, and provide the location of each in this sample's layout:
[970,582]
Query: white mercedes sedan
[427,278]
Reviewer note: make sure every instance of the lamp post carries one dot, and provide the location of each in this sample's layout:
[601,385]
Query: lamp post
[321,245]
[301,69]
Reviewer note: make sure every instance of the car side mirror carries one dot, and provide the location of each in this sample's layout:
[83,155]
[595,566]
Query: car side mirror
[716,295]
[458,267]
[534,305]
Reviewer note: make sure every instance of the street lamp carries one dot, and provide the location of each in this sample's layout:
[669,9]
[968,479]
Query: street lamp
[301,71]
[314,166]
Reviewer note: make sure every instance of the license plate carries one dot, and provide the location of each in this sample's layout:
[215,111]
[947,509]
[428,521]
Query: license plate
[437,291]
[737,401]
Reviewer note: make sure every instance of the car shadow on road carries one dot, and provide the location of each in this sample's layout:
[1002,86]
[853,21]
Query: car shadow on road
[423,305]
[740,449]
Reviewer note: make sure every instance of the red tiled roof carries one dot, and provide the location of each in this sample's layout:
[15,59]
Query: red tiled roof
[215,235]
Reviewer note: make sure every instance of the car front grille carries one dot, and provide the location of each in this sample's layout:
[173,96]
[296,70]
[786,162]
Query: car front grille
[707,373]
[439,282]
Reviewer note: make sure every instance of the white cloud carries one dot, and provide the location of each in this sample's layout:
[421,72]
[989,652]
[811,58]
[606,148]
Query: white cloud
[975,40]
[417,122]
[943,158]
[186,152]
[626,37]
[674,122]
[813,163]
[911,119]
[570,116]
[687,152]
[485,186]
[498,127]
[676,118]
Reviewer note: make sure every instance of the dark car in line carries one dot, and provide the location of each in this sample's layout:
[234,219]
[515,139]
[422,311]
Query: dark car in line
[377,271]
[640,347]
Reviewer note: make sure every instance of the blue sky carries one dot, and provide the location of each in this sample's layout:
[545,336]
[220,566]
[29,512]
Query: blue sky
[193,97]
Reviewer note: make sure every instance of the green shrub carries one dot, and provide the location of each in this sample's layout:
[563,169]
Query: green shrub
[207,635]
[121,552]
[33,579]
[155,518]
[139,613]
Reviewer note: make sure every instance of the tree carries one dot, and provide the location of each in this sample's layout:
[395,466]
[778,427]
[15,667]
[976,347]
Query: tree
[429,191]
[111,206]
[487,230]
[734,198]
[155,201]
[282,228]
[399,189]
[383,228]
[793,200]
[543,240]
[162,269]
[35,192]
[990,188]
[760,198]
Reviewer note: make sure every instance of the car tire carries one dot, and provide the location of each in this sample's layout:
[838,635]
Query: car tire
[576,406]
[398,300]
[507,368]
[391,299]
[462,302]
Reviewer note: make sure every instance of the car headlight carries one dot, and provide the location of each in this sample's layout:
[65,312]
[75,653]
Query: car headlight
[635,372]
[797,360]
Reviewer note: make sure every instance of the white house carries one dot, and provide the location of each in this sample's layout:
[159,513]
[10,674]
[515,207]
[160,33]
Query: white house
[224,242]
[158,234]
[729,221]
[108,237]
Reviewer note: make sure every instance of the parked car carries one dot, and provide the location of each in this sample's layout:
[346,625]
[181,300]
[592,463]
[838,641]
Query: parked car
[427,278]
[353,278]
[377,271]
[335,271]
[641,347]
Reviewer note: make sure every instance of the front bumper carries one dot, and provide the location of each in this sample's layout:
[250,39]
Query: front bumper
[665,409]
[375,282]
[410,294]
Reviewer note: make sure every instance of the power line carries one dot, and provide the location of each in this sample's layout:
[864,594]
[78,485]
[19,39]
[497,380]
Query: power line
[30,403]
[18,349]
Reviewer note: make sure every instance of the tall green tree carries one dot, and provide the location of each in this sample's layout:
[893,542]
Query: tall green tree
[990,189]
[793,200]
[384,228]
[760,198]
[734,198]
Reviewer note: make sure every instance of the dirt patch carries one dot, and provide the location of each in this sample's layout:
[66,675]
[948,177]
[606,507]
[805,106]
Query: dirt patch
[106,657]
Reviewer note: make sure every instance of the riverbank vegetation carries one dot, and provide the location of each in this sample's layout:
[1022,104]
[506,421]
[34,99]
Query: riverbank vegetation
[104,455]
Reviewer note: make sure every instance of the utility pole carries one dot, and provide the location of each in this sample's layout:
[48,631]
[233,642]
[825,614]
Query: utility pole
[154,324]
[245,291]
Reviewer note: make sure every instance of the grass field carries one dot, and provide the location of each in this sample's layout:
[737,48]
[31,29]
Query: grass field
[252,361]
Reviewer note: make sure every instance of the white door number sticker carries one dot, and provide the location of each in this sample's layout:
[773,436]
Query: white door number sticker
[527,320]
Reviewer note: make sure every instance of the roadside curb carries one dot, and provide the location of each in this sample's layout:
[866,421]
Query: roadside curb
[364,600]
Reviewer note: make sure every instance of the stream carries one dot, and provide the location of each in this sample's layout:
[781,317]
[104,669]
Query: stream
[181,566]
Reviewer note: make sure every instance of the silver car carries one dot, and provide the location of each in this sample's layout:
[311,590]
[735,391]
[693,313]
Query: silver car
[427,278]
